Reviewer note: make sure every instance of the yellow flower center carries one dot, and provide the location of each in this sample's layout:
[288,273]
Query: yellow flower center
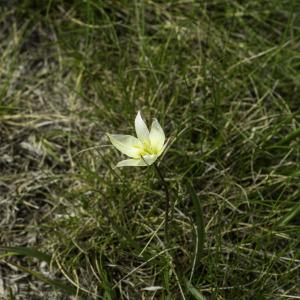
[146,149]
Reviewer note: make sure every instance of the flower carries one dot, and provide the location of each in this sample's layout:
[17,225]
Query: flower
[143,150]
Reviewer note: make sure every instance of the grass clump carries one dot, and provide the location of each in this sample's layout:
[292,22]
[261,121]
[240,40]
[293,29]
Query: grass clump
[221,77]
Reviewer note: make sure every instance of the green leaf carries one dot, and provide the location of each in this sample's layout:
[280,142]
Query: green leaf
[194,292]
[27,252]
[290,137]
[200,232]
[55,283]
[294,212]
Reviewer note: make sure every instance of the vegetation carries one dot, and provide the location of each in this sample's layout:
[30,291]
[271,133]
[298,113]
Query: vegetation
[222,77]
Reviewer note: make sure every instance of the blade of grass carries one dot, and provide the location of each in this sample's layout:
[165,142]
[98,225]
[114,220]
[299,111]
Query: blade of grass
[55,283]
[194,292]
[27,252]
[200,233]
[294,212]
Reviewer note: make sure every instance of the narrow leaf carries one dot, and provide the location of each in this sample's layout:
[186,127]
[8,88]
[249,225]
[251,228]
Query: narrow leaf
[194,292]
[55,283]
[294,212]
[290,137]
[27,252]
[200,233]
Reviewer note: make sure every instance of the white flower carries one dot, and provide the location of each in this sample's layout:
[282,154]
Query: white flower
[143,150]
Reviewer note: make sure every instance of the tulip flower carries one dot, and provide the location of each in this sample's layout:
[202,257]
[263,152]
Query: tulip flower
[143,149]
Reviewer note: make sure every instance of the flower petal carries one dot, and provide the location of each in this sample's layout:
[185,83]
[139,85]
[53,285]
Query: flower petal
[127,144]
[131,163]
[149,159]
[157,136]
[141,129]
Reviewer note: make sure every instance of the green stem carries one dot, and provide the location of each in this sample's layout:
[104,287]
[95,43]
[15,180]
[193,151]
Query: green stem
[162,179]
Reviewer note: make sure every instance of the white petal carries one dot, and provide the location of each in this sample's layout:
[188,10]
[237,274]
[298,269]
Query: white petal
[127,144]
[141,129]
[131,163]
[157,136]
[149,159]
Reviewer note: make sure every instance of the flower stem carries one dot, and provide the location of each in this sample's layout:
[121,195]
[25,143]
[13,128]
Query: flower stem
[162,179]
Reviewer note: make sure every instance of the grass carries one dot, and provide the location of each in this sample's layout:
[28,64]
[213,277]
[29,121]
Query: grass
[222,77]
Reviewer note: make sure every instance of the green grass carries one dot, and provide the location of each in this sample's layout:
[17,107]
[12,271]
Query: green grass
[222,77]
